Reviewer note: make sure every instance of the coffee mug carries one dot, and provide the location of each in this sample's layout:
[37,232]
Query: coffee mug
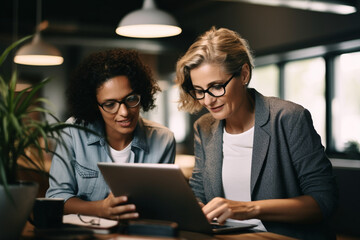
[48,213]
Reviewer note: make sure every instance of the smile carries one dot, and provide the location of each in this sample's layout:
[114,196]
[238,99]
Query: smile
[124,123]
[216,109]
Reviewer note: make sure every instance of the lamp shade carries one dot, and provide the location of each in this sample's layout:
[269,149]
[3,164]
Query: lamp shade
[148,22]
[38,53]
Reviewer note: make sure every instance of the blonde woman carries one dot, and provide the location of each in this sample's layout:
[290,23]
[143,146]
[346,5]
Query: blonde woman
[258,158]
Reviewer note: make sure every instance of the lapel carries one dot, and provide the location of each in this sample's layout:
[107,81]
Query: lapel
[214,158]
[139,144]
[261,136]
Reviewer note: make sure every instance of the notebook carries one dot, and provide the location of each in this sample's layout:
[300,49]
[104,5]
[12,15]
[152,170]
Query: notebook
[161,192]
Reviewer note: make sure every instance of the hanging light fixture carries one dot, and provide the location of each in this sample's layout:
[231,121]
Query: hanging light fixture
[148,22]
[38,52]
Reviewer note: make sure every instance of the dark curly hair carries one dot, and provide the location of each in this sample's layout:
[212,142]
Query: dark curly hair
[99,67]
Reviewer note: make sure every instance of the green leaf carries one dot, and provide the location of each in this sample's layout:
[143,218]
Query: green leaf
[11,93]
[20,95]
[15,123]
[5,129]
[3,88]
[11,47]
[29,98]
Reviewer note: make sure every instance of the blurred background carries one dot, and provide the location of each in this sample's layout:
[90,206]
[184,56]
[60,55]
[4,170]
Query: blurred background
[310,57]
[305,51]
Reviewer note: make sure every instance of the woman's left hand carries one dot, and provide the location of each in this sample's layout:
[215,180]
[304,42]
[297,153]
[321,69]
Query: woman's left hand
[223,209]
[301,209]
[117,208]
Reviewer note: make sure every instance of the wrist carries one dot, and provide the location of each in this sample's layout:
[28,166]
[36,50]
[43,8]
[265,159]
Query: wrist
[98,208]
[257,210]
[254,209]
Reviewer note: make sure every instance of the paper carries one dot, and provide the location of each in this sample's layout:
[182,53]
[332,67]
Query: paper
[88,221]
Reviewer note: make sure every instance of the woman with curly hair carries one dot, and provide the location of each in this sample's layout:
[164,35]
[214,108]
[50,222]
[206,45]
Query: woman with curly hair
[106,93]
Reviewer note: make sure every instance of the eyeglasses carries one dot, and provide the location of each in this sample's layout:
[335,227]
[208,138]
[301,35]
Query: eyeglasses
[112,106]
[216,90]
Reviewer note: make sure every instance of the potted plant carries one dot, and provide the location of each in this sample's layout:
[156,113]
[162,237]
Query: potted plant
[19,132]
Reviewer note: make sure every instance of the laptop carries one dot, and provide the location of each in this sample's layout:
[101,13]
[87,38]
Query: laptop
[161,192]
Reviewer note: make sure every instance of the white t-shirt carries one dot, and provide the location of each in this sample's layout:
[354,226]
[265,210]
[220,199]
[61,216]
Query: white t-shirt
[122,156]
[236,169]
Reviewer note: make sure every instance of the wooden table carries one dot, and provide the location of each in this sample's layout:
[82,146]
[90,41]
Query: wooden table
[28,234]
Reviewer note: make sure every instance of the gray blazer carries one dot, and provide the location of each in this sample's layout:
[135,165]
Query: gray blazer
[288,160]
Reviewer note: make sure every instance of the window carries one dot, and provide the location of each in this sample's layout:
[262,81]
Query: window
[265,79]
[346,104]
[304,83]
[178,120]
[157,114]
[167,113]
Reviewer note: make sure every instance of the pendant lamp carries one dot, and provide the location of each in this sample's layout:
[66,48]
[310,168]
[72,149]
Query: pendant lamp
[148,22]
[38,52]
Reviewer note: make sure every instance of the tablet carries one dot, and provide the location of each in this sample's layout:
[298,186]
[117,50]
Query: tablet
[161,191]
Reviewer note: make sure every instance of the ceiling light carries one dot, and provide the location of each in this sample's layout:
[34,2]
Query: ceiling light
[331,6]
[148,22]
[38,52]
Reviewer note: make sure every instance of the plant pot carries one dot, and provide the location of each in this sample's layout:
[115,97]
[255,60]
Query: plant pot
[14,214]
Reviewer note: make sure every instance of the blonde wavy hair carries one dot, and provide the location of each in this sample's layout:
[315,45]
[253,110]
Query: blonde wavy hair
[222,47]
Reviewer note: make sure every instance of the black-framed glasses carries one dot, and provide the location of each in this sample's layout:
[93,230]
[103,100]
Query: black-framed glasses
[216,90]
[112,106]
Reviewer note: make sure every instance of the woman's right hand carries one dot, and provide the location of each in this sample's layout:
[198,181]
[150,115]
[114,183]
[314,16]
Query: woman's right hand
[115,208]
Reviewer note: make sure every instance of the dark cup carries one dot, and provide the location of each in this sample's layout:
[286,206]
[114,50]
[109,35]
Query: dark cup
[48,213]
